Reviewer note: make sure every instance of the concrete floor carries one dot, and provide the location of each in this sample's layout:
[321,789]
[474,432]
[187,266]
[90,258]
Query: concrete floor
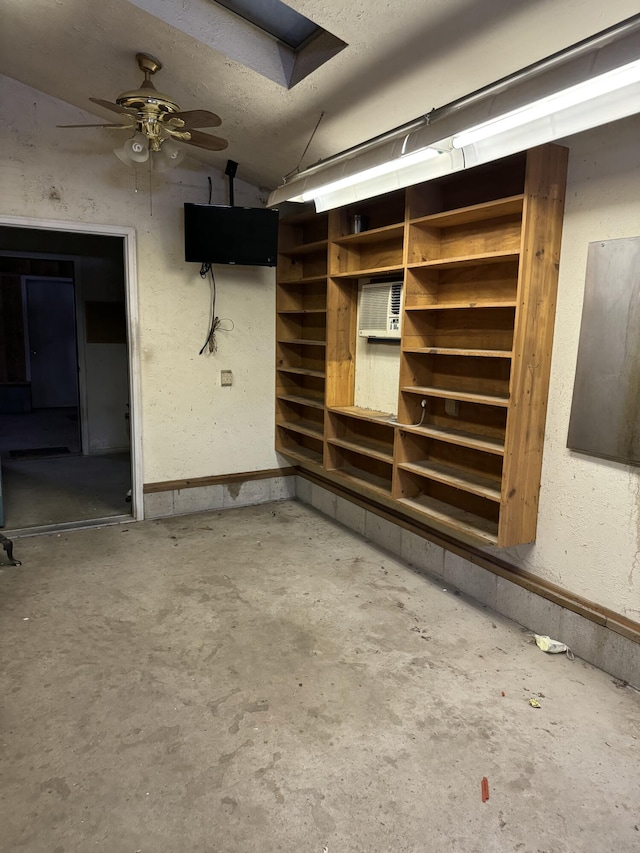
[262,679]
[64,489]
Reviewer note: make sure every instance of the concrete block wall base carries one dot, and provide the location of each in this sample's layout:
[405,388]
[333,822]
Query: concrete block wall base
[596,644]
[218,496]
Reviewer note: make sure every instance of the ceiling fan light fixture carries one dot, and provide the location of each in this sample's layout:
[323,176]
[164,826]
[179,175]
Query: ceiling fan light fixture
[138,148]
[134,150]
[168,157]
[122,154]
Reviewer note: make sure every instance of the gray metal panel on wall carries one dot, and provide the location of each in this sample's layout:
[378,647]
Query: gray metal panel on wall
[605,412]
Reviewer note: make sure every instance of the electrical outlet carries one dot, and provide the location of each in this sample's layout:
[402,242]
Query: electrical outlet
[226,377]
[452,407]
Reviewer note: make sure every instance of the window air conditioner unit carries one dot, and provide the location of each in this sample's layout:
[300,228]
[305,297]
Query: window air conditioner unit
[380,310]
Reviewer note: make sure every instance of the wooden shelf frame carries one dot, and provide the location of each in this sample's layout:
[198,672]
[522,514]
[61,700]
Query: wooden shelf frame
[293,311]
[473,213]
[301,299]
[473,353]
[305,249]
[462,438]
[478,252]
[395,269]
[304,427]
[470,260]
[452,476]
[301,400]
[451,394]
[375,235]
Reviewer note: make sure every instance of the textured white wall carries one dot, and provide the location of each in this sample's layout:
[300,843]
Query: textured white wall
[589,524]
[377,374]
[191,425]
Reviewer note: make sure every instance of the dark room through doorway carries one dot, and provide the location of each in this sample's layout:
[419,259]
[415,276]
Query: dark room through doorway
[64,380]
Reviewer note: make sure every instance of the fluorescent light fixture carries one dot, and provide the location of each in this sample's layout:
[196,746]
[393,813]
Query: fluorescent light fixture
[590,84]
[381,169]
[604,84]
[420,170]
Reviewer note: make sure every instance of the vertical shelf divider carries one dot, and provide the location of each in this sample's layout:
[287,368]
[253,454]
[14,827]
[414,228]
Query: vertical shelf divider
[545,182]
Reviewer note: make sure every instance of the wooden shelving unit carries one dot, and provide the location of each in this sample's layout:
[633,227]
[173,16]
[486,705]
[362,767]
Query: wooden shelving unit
[478,252]
[301,323]
[360,445]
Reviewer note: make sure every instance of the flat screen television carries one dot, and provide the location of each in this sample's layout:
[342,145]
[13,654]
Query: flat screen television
[220,234]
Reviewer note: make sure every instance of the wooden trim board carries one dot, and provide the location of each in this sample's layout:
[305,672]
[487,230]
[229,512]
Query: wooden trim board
[222,479]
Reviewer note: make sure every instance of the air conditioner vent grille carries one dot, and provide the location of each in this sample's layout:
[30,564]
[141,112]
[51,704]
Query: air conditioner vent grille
[380,310]
[396,298]
[374,307]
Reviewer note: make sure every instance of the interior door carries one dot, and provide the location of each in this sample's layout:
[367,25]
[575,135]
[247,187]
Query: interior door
[51,323]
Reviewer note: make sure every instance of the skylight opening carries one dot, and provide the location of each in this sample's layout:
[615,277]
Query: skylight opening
[300,46]
[266,36]
[276,18]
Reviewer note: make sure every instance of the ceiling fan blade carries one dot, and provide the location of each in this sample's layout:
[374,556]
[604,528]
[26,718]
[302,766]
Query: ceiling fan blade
[115,108]
[121,126]
[206,140]
[197,118]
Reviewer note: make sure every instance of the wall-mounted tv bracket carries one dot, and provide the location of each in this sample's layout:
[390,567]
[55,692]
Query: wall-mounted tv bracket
[7,544]
[232,168]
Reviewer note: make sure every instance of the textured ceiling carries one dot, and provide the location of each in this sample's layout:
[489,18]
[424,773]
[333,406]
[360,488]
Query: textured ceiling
[403,58]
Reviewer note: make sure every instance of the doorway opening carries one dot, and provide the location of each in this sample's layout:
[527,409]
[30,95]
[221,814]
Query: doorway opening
[67,422]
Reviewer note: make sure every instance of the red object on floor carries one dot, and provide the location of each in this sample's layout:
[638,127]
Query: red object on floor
[485,789]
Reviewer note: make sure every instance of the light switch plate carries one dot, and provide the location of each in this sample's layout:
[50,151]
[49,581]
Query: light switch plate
[226,377]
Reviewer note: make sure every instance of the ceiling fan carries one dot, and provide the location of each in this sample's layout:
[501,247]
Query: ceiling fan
[157,121]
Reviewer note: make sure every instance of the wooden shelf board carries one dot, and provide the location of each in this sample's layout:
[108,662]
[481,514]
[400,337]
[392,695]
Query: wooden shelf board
[375,235]
[310,402]
[452,476]
[310,428]
[366,447]
[363,414]
[302,371]
[473,440]
[309,279]
[473,213]
[356,476]
[463,396]
[303,311]
[304,249]
[373,271]
[301,454]
[466,260]
[454,518]
[479,353]
[448,306]
[302,342]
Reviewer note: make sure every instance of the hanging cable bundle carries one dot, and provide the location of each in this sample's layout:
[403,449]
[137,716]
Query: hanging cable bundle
[214,321]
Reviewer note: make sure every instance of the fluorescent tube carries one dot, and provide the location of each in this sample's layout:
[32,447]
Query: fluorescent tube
[604,84]
[374,172]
